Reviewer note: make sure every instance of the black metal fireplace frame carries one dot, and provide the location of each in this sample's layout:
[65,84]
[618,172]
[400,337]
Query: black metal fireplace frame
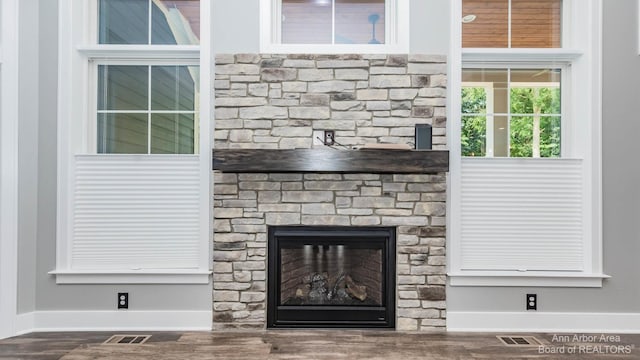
[280,316]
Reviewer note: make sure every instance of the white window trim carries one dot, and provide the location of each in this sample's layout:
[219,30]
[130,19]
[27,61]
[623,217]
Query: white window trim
[77,34]
[9,118]
[396,33]
[583,50]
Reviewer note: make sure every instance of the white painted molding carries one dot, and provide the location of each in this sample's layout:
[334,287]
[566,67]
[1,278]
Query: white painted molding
[519,55]
[131,277]
[25,323]
[123,320]
[129,52]
[535,279]
[9,119]
[543,322]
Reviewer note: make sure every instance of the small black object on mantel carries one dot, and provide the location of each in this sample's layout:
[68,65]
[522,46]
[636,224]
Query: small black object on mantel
[423,137]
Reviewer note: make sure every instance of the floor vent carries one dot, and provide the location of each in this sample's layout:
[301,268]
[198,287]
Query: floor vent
[127,339]
[519,340]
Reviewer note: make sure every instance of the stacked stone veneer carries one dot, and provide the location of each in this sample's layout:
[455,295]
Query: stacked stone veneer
[276,101]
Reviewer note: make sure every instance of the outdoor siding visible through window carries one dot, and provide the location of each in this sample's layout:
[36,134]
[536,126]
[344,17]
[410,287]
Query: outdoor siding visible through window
[137,116]
[333,21]
[511,112]
[511,23]
[146,107]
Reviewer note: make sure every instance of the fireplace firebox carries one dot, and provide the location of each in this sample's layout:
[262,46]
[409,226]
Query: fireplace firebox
[331,277]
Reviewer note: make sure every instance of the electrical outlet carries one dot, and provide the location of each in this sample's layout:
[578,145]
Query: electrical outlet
[329,137]
[123,300]
[532,302]
[318,138]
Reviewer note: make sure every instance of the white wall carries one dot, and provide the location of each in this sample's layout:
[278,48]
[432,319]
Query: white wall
[27,153]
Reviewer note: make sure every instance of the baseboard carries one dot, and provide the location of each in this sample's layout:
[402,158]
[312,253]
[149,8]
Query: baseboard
[543,322]
[25,323]
[114,321]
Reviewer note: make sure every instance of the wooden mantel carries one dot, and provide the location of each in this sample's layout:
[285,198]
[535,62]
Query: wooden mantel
[331,161]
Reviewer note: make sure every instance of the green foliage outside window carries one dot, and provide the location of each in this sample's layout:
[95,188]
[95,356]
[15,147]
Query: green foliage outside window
[534,131]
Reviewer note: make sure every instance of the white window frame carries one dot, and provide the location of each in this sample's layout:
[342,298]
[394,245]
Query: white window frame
[582,55]
[79,54]
[9,119]
[396,33]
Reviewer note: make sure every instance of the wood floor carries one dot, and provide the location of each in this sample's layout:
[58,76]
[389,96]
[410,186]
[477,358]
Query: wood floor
[310,344]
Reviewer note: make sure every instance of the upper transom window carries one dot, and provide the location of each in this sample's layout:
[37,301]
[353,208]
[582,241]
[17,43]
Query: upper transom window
[512,23]
[334,26]
[333,21]
[143,22]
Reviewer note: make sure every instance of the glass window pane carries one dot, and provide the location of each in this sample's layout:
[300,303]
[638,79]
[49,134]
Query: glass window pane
[485,23]
[331,275]
[536,23]
[360,22]
[123,22]
[122,133]
[174,88]
[535,91]
[550,136]
[306,21]
[500,135]
[474,135]
[521,132]
[495,83]
[123,87]
[172,133]
[474,100]
[175,22]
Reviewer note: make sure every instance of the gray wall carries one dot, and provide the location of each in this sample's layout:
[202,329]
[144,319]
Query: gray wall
[50,296]
[236,29]
[621,293]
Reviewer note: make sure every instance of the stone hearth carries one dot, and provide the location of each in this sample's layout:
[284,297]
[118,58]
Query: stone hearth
[275,102]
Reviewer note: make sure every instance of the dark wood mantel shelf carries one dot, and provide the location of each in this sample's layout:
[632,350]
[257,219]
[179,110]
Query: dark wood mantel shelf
[331,161]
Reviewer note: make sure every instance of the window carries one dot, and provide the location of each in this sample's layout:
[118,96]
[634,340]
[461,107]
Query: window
[524,138]
[135,153]
[511,23]
[333,22]
[511,112]
[372,26]
[147,109]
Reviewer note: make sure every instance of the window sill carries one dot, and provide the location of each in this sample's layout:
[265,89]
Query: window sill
[131,276]
[519,55]
[334,49]
[161,52]
[528,279]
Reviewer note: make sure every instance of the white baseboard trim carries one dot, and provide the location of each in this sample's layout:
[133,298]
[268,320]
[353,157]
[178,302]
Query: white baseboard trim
[25,323]
[543,322]
[124,320]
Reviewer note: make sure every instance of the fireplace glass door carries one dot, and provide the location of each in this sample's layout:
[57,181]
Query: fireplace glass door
[331,277]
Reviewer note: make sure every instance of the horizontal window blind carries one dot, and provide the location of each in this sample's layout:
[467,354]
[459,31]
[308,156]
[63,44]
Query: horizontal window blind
[136,212]
[522,214]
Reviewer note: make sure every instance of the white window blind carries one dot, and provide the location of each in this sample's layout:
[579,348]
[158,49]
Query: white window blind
[136,212]
[522,214]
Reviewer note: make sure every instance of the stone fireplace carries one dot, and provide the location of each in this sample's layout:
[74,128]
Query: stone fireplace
[275,102]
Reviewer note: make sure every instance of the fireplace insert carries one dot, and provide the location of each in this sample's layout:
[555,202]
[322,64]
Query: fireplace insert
[331,277]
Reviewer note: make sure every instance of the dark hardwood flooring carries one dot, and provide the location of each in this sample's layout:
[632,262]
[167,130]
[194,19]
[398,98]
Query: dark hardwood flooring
[307,344]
